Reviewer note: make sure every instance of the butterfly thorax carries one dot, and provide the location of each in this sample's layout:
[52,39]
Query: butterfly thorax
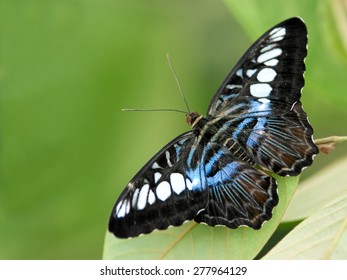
[193,118]
[204,125]
[198,122]
[212,131]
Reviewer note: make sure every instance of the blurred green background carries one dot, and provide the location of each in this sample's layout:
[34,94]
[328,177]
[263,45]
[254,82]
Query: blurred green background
[68,67]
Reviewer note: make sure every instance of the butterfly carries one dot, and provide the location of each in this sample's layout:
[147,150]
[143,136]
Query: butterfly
[216,173]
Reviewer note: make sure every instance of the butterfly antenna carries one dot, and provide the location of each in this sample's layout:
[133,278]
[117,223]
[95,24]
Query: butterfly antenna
[177,81]
[154,110]
[166,110]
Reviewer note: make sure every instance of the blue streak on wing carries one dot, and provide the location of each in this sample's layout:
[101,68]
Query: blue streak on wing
[223,183]
[256,133]
[240,127]
[212,161]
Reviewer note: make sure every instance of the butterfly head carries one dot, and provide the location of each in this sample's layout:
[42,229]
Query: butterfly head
[193,118]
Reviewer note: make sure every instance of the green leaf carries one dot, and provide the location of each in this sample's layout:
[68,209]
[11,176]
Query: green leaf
[195,241]
[249,16]
[314,193]
[321,236]
[337,21]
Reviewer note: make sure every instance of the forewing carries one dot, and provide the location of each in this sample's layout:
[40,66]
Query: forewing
[165,192]
[270,71]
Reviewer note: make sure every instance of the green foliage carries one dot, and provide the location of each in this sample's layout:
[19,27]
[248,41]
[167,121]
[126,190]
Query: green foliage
[323,235]
[314,193]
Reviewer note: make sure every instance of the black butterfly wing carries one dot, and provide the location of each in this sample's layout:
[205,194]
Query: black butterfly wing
[259,102]
[193,179]
[283,143]
[272,68]
[238,193]
[167,191]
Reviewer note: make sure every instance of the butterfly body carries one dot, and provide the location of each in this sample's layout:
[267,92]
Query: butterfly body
[209,174]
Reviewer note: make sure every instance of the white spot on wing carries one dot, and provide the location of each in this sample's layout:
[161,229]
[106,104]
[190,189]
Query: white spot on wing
[121,212]
[127,208]
[277,38]
[142,200]
[123,208]
[157,176]
[266,75]
[167,154]
[268,47]
[277,34]
[264,100]
[271,62]
[177,182]
[151,197]
[250,72]
[282,32]
[260,90]
[233,86]
[273,31]
[192,184]
[155,165]
[135,197]
[239,72]
[269,55]
[189,184]
[119,215]
[163,190]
